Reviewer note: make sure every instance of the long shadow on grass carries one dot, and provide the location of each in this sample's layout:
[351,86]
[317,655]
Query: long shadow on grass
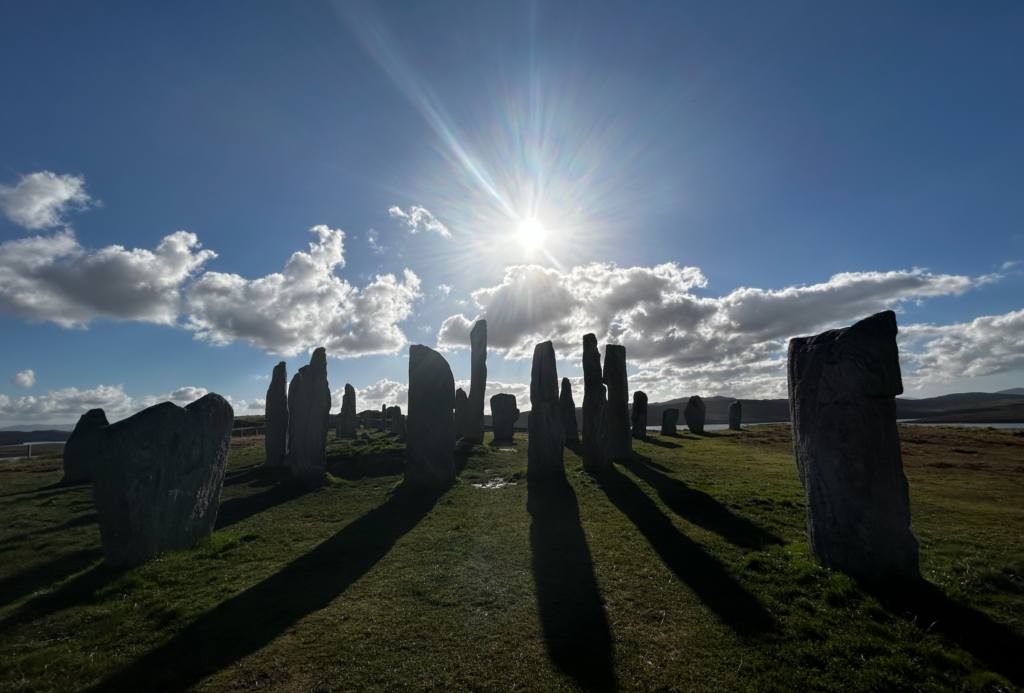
[80,521]
[737,607]
[235,510]
[244,624]
[45,574]
[78,590]
[701,509]
[575,628]
[661,443]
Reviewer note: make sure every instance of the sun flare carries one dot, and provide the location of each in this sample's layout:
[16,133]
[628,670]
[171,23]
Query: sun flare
[531,234]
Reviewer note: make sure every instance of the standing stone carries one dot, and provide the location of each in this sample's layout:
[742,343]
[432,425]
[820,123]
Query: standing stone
[504,415]
[82,451]
[639,415]
[735,415]
[461,413]
[669,419]
[568,407]
[430,437]
[309,408]
[597,450]
[383,417]
[474,432]
[348,422]
[618,401]
[842,389]
[545,453]
[397,426]
[276,441]
[693,413]
[159,486]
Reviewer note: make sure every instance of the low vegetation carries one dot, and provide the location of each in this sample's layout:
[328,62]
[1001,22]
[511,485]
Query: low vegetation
[684,570]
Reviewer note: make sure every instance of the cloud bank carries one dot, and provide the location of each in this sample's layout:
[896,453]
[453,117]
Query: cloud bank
[69,403]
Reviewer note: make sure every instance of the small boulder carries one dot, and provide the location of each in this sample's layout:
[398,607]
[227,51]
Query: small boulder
[669,419]
[694,413]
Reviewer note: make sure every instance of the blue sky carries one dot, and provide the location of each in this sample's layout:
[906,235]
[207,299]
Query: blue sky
[712,179]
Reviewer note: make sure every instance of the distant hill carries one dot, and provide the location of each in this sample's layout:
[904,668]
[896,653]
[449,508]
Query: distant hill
[39,427]
[20,437]
[1012,391]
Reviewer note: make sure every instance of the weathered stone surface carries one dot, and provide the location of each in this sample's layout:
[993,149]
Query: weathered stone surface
[842,389]
[474,431]
[504,415]
[348,421]
[545,455]
[430,437]
[309,409]
[619,424]
[461,413]
[597,450]
[693,414]
[735,415]
[397,425]
[639,415]
[159,485]
[568,407]
[276,427]
[669,419]
[383,417]
[82,451]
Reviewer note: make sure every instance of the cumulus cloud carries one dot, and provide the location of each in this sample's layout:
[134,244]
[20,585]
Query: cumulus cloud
[24,379]
[417,219]
[257,404]
[384,391]
[53,278]
[985,346]
[67,404]
[373,240]
[40,200]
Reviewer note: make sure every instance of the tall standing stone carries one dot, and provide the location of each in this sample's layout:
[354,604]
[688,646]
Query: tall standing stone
[276,426]
[461,413]
[597,450]
[348,419]
[639,415]
[618,401]
[694,413]
[568,407]
[504,414]
[159,486]
[309,409]
[82,451]
[735,415]
[669,419]
[383,417]
[545,455]
[430,427]
[842,389]
[474,432]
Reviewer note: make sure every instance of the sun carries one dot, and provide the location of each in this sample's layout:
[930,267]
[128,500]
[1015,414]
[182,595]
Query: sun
[531,234]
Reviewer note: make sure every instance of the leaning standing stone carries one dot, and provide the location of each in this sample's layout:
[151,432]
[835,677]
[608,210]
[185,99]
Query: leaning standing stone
[618,401]
[82,451]
[669,419]
[474,431]
[842,389]
[694,413]
[597,450]
[159,486]
[639,415]
[430,438]
[348,421]
[309,408]
[735,415]
[504,415]
[276,441]
[461,413]
[545,454]
[568,407]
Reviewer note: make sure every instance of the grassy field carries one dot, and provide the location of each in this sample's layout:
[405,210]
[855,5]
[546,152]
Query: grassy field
[684,570]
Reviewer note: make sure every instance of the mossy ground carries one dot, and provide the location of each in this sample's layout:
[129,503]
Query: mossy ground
[684,570]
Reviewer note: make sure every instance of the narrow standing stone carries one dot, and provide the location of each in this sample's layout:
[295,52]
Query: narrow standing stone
[545,454]
[430,437]
[82,451]
[618,401]
[276,426]
[669,419]
[348,423]
[461,413]
[474,431]
[397,426]
[309,408]
[639,415]
[597,451]
[693,413]
[383,417]
[735,415]
[842,389]
[568,407]
[504,414]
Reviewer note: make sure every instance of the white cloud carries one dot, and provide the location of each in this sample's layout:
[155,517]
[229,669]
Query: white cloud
[24,379]
[1007,265]
[373,240]
[53,278]
[40,200]
[257,404]
[67,404]
[418,218]
[985,346]
[384,391]
[305,306]
[444,290]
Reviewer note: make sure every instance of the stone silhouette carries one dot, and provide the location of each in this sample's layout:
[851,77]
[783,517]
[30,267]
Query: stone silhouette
[504,415]
[639,415]
[545,456]
[735,415]
[159,486]
[618,401]
[474,431]
[693,414]
[430,438]
[348,421]
[568,407]
[276,427]
[461,413]
[842,389]
[383,417]
[597,450]
[309,409]
[397,426]
[82,451]
[669,419]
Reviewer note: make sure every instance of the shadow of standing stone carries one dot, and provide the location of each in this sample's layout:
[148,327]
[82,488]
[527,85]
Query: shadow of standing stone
[82,451]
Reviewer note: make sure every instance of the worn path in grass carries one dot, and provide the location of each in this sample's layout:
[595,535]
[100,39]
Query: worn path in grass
[683,570]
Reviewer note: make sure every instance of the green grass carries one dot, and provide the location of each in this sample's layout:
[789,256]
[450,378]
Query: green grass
[685,570]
